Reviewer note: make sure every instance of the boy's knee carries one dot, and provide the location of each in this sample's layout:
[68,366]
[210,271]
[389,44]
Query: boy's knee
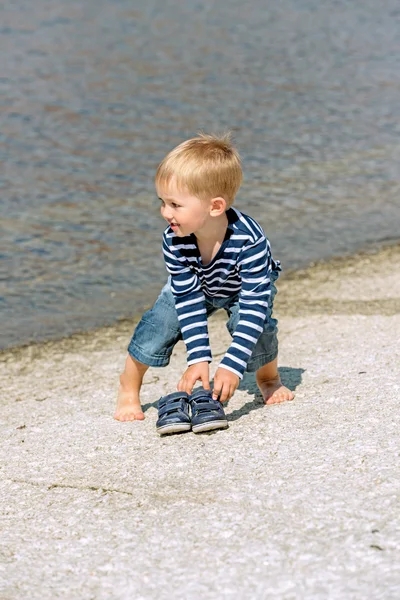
[156,333]
[233,320]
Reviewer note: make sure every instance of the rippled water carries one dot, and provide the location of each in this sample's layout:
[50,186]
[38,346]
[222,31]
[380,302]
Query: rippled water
[94,93]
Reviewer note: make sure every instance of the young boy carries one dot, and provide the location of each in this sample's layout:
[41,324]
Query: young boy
[217,257]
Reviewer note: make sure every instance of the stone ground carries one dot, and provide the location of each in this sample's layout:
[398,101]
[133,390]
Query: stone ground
[299,500]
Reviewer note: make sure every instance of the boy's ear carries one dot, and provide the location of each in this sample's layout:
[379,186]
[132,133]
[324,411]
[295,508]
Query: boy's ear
[218,206]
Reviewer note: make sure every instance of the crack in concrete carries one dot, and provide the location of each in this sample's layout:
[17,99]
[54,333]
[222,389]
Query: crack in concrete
[91,488]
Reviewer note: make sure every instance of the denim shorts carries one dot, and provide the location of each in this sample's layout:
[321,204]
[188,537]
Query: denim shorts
[158,330]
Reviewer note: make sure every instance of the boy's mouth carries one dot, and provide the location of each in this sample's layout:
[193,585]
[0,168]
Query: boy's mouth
[174,225]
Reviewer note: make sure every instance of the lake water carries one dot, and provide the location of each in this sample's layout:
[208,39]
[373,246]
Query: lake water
[94,93]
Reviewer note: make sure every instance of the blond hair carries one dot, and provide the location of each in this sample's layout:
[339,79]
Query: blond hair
[207,166]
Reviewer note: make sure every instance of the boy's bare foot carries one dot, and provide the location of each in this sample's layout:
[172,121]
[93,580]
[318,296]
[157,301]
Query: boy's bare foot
[128,402]
[272,390]
[128,407]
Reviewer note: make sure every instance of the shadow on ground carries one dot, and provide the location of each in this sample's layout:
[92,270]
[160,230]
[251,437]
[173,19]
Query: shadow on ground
[291,377]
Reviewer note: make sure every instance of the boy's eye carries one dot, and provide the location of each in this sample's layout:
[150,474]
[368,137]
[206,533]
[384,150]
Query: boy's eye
[173,204]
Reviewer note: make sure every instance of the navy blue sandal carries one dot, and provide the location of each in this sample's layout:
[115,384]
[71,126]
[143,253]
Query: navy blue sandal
[207,414]
[173,413]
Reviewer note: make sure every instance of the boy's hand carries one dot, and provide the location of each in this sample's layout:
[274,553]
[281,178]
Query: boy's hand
[197,372]
[225,384]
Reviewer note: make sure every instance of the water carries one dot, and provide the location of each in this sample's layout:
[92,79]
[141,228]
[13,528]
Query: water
[94,93]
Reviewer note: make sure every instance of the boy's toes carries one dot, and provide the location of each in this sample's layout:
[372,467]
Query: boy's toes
[129,416]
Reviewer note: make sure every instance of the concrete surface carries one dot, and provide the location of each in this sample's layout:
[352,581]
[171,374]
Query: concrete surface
[299,500]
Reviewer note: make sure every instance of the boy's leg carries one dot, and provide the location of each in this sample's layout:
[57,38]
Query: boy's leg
[151,346]
[270,385]
[128,403]
[264,360]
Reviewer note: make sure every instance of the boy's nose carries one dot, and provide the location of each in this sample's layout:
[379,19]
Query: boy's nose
[166,213]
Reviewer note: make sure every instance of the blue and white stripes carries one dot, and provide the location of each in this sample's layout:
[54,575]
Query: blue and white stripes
[241,267]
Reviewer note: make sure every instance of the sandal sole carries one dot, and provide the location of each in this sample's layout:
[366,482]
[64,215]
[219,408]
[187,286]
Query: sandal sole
[174,428]
[209,426]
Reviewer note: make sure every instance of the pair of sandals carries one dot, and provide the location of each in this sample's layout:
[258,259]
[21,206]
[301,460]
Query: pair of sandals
[206,414]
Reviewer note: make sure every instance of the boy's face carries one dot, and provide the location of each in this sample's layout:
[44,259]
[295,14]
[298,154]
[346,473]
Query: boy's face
[185,213]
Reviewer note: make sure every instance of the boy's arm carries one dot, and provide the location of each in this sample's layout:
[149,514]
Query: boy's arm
[255,265]
[190,305]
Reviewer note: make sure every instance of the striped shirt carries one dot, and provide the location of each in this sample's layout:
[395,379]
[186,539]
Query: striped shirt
[242,267]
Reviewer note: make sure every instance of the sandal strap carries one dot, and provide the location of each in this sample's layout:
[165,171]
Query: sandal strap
[206,404]
[171,398]
[177,402]
[176,406]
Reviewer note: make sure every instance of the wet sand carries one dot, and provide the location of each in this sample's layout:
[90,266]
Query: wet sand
[294,500]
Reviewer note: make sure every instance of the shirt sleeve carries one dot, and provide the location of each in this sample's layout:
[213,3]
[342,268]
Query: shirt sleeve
[190,305]
[255,266]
